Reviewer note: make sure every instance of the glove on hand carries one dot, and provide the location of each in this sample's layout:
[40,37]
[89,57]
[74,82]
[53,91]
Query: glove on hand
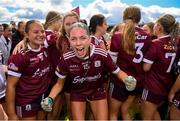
[47,104]
[130,83]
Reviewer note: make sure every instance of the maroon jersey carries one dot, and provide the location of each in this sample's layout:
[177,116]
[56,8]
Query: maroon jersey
[131,64]
[86,75]
[98,42]
[161,55]
[32,67]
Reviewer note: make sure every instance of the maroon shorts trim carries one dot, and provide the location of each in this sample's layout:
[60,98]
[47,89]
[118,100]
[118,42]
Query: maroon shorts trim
[97,94]
[150,96]
[2,100]
[121,93]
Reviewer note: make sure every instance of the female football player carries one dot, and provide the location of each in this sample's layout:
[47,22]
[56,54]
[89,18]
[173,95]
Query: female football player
[127,50]
[28,76]
[84,64]
[157,64]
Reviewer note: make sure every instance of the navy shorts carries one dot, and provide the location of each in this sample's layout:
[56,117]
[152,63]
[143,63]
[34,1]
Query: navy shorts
[121,93]
[98,94]
[150,96]
[30,109]
[176,101]
[2,100]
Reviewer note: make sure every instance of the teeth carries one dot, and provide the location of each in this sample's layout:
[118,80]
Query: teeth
[79,49]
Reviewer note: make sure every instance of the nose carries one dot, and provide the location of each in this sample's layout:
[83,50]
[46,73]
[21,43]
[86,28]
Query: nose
[78,42]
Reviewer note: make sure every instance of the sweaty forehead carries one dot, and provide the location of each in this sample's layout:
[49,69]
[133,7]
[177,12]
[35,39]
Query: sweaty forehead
[78,31]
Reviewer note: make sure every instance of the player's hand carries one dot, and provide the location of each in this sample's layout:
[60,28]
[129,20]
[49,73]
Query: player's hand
[47,104]
[130,83]
[20,46]
[171,96]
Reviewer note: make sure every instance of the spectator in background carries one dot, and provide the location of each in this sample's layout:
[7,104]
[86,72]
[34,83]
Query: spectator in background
[1,30]
[18,35]
[13,24]
[6,42]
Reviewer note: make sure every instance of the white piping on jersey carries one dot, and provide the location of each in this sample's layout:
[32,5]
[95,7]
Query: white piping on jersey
[100,51]
[69,53]
[97,40]
[59,75]
[148,61]
[164,36]
[116,71]
[114,56]
[12,73]
[34,50]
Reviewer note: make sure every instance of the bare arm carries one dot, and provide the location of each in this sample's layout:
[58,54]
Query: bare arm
[10,96]
[57,88]
[121,75]
[146,67]
[21,45]
[174,88]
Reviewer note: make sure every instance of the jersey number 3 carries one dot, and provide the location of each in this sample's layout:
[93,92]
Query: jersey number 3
[139,52]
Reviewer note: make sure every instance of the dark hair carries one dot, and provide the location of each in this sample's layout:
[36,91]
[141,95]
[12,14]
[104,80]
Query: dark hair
[171,27]
[5,26]
[96,20]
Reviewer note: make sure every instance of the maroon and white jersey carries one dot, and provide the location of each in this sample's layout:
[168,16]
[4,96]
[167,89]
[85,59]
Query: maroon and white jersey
[131,64]
[33,69]
[87,74]
[98,41]
[161,55]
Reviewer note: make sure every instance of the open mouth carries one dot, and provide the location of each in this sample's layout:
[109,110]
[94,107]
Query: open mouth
[80,52]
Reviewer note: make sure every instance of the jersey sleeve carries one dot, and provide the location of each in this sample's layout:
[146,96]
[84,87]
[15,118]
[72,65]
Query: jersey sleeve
[16,64]
[51,38]
[61,70]
[151,54]
[110,65]
[114,48]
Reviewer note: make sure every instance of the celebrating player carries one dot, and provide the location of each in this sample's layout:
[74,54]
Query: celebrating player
[84,65]
[158,62]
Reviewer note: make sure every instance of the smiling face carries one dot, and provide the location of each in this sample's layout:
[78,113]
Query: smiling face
[68,21]
[79,41]
[35,35]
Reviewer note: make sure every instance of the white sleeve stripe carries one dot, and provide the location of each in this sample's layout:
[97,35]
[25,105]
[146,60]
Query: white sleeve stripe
[12,73]
[113,53]
[46,44]
[59,75]
[148,61]
[116,71]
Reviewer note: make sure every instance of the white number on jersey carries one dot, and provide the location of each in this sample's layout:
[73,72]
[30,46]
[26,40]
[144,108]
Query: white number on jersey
[139,46]
[172,55]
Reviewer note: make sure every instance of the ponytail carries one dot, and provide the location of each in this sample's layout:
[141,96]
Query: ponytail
[174,35]
[128,41]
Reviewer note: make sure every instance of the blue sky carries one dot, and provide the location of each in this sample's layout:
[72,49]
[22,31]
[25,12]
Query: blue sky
[146,3]
[112,9]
